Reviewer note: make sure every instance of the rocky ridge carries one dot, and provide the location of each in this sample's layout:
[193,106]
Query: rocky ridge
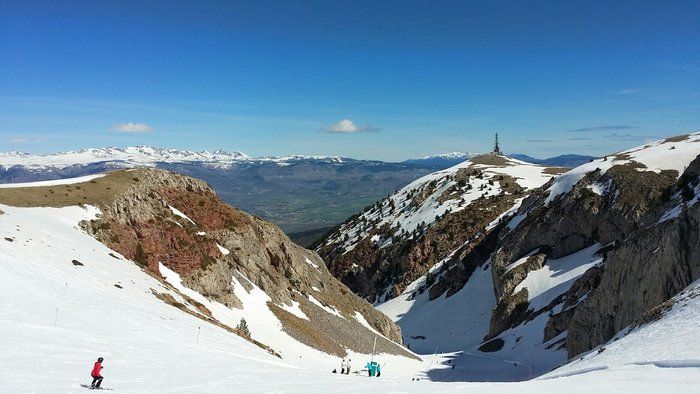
[156,217]
[397,240]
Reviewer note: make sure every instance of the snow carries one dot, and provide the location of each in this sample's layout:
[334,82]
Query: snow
[294,310]
[67,181]
[521,260]
[56,318]
[176,212]
[358,316]
[657,156]
[505,214]
[665,350]
[145,156]
[437,321]
[681,206]
[223,250]
[557,276]
[600,188]
[328,309]
[311,263]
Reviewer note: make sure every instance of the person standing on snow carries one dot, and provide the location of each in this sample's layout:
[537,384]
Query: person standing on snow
[97,374]
[343,365]
[347,367]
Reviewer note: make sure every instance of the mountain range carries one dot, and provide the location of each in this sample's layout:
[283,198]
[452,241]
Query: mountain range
[305,195]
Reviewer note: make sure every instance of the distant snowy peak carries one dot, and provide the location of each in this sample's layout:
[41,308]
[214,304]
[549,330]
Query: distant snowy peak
[146,156]
[451,155]
[444,159]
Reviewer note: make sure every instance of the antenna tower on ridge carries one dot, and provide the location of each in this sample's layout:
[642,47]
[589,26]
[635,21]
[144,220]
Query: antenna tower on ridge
[496,147]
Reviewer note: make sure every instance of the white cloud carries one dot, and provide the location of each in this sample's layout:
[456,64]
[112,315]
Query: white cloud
[348,126]
[132,127]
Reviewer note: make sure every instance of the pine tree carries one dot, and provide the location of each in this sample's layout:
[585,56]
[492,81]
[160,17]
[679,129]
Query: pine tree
[243,329]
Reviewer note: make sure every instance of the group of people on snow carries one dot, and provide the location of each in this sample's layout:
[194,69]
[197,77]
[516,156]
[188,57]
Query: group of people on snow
[344,367]
[373,368]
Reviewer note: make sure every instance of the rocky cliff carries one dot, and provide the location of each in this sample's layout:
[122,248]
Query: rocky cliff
[630,219]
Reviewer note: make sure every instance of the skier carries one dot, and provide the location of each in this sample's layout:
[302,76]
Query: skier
[379,370]
[347,367]
[343,365]
[97,374]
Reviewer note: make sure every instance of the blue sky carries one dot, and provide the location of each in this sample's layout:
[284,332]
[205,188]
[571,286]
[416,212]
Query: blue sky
[387,80]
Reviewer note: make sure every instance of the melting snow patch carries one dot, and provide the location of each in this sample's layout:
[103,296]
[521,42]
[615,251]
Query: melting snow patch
[330,310]
[294,310]
[311,263]
[361,319]
[223,250]
[176,212]
[201,233]
[68,181]
[600,188]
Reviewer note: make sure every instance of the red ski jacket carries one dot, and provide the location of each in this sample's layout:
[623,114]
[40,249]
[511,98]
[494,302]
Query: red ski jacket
[97,369]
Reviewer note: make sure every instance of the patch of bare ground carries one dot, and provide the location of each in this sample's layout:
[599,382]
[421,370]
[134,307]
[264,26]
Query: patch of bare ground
[333,334]
[491,160]
[95,192]
[306,332]
[493,345]
[555,170]
[679,138]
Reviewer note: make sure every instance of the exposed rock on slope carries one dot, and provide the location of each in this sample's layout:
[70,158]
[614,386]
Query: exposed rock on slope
[155,217]
[394,242]
[581,258]
[648,268]
[618,202]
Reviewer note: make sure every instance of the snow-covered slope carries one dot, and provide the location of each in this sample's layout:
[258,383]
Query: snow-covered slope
[663,350]
[57,316]
[671,154]
[66,299]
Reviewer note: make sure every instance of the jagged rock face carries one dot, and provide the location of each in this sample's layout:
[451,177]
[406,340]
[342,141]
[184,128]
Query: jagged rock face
[403,262]
[648,268]
[646,259]
[573,222]
[178,221]
[391,244]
